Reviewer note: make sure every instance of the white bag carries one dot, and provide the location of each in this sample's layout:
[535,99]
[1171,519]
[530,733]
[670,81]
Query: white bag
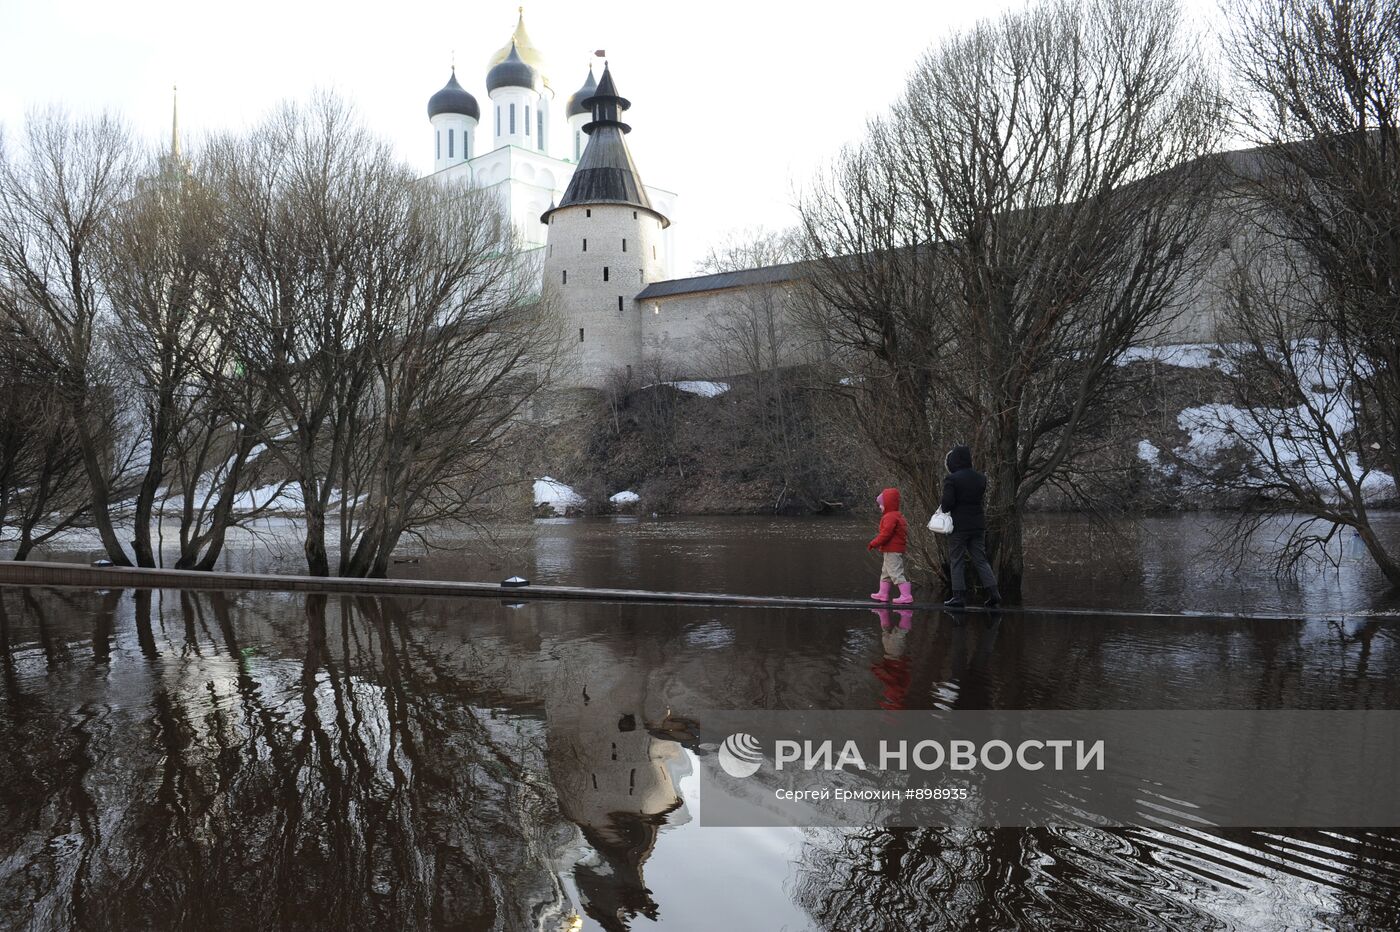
[941,522]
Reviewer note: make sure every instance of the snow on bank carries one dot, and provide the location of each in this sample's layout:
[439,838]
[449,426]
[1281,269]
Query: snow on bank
[703,389]
[1282,436]
[1181,355]
[625,498]
[551,493]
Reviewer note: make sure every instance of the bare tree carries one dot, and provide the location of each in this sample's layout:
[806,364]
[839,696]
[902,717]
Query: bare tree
[756,334]
[43,488]
[1313,308]
[1027,212]
[385,321]
[65,181]
[163,266]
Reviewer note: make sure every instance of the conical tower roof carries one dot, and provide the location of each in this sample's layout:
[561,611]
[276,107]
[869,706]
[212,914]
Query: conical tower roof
[606,173]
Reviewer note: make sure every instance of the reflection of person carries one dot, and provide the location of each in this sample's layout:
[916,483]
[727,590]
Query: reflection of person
[893,668]
[963,491]
[891,540]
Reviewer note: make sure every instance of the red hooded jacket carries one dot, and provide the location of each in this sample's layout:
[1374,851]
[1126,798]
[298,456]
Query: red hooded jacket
[894,530]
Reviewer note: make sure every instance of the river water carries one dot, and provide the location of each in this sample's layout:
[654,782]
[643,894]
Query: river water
[265,760]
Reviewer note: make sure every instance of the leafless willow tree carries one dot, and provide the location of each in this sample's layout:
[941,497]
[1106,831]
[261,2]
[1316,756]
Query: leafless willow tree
[58,188]
[43,489]
[1313,308]
[163,267]
[387,323]
[1029,209]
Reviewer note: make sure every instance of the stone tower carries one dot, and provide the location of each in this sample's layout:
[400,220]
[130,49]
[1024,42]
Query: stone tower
[605,242]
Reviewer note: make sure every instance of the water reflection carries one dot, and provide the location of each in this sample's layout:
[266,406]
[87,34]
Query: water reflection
[267,760]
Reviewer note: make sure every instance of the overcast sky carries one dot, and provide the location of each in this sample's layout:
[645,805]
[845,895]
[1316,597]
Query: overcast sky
[734,102]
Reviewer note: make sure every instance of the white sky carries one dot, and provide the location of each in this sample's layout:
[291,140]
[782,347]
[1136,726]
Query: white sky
[734,102]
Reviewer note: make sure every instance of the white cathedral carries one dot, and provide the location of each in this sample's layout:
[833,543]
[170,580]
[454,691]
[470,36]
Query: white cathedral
[601,238]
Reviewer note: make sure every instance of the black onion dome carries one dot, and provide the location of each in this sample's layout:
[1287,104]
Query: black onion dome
[577,98]
[453,98]
[513,72]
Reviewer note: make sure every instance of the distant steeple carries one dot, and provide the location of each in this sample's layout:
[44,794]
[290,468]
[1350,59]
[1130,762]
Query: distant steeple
[174,122]
[606,173]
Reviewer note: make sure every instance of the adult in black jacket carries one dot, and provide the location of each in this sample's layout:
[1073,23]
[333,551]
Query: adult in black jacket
[963,491]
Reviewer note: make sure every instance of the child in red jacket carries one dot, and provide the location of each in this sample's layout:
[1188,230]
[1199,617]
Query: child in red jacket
[890,541]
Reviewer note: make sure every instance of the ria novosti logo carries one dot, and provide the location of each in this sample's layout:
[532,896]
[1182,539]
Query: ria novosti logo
[740,755]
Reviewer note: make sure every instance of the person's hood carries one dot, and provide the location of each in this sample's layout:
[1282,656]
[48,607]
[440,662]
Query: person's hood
[889,500]
[959,458]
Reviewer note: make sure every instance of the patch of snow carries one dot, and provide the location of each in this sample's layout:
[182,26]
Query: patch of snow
[1148,453]
[282,498]
[625,498]
[555,494]
[703,389]
[1285,437]
[1181,355]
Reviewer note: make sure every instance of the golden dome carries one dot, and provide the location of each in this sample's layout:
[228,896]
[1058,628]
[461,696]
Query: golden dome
[523,47]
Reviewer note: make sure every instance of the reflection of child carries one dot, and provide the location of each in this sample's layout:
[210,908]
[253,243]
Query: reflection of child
[890,540]
[893,669]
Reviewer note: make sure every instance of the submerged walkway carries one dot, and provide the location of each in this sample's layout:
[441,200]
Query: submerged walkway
[78,575]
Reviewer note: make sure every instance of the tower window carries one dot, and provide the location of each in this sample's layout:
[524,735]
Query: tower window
[605,273]
[634,215]
[498,119]
[585,244]
[539,115]
[451,135]
[653,252]
[624,244]
[619,302]
[587,212]
[566,276]
[512,119]
[527,119]
[439,145]
[580,334]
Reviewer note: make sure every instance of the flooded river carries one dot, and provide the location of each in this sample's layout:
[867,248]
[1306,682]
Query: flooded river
[262,760]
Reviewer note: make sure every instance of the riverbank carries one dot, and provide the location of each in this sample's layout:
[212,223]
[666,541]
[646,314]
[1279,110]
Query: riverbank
[781,444]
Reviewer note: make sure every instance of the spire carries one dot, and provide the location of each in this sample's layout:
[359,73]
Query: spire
[606,173]
[174,122]
[607,105]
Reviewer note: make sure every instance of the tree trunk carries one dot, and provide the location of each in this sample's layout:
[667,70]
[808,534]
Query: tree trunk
[101,494]
[317,563]
[1389,567]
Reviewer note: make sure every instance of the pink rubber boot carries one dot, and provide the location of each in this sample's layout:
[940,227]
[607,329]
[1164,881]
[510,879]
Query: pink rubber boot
[884,594]
[906,594]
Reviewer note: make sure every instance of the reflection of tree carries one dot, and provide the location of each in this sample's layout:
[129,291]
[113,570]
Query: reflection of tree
[222,789]
[214,761]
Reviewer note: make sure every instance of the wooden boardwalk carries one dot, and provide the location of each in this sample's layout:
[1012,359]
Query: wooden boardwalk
[78,575]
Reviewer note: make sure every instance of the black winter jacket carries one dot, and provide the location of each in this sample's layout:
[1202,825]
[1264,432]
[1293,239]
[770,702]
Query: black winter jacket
[963,491]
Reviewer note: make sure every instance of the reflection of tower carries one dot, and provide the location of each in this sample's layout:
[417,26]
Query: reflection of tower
[612,779]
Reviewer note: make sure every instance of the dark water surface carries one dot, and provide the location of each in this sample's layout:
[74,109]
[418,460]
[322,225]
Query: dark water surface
[209,761]
[1162,563]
